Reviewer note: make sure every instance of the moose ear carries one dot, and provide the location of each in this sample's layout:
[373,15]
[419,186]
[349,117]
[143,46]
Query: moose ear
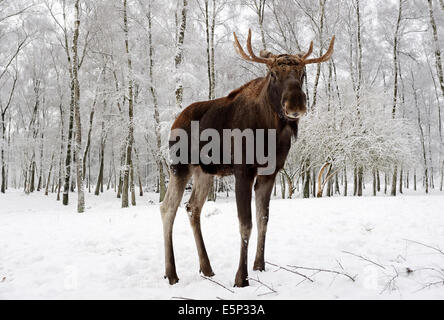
[266,54]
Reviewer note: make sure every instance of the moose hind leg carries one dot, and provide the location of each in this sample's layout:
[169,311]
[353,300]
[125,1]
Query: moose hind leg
[263,189]
[244,184]
[168,209]
[201,186]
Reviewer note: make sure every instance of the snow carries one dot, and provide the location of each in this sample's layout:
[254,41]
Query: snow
[48,251]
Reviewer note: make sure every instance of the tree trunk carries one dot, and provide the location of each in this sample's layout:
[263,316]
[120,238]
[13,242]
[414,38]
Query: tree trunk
[284,189]
[99,184]
[158,153]
[359,84]
[179,55]
[88,137]
[375,183]
[318,70]
[212,193]
[66,185]
[68,153]
[321,184]
[441,184]
[49,175]
[207,32]
[130,137]
[337,190]
[212,45]
[42,136]
[421,131]
[307,180]
[79,162]
[414,181]
[32,184]
[3,186]
[3,111]
[401,181]
[378,181]
[313,183]
[438,61]
[137,165]
[132,186]
[394,182]
[355,182]
[62,139]
[395,85]
[360,181]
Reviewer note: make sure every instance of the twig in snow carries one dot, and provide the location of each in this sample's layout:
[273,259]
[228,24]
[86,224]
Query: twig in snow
[340,265]
[391,285]
[426,245]
[264,285]
[429,285]
[292,271]
[313,275]
[182,298]
[439,271]
[364,258]
[219,284]
[325,270]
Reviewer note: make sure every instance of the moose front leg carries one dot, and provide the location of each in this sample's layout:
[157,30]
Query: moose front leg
[244,185]
[263,189]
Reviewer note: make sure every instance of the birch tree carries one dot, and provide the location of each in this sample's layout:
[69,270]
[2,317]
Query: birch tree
[78,147]
[258,7]
[3,143]
[130,137]
[396,39]
[157,150]
[181,26]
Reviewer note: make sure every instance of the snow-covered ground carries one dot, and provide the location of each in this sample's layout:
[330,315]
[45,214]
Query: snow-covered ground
[49,252]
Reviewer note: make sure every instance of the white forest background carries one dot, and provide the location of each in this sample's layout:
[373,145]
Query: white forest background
[87,107]
[85,116]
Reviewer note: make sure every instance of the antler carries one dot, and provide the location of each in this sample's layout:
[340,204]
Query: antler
[269,61]
[252,57]
[309,52]
[324,58]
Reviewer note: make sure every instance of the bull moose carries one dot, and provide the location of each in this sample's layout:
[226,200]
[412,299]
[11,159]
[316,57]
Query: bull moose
[275,102]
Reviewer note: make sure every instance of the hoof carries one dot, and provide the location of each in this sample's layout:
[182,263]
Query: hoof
[241,282]
[259,266]
[172,280]
[207,273]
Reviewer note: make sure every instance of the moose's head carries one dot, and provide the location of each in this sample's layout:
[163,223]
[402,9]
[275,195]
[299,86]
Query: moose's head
[286,77]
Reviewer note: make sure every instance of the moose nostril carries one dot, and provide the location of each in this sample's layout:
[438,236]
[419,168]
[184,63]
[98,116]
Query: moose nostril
[295,115]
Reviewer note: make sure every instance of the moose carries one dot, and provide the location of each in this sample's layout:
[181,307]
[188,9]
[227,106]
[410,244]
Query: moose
[274,102]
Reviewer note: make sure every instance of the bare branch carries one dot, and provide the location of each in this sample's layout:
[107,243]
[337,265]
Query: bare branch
[263,284]
[366,259]
[326,271]
[391,285]
[8,104]
[426,246]
[21,45]
[182,298]
[3,19]
[432,284]
[219,284]
[292,271]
